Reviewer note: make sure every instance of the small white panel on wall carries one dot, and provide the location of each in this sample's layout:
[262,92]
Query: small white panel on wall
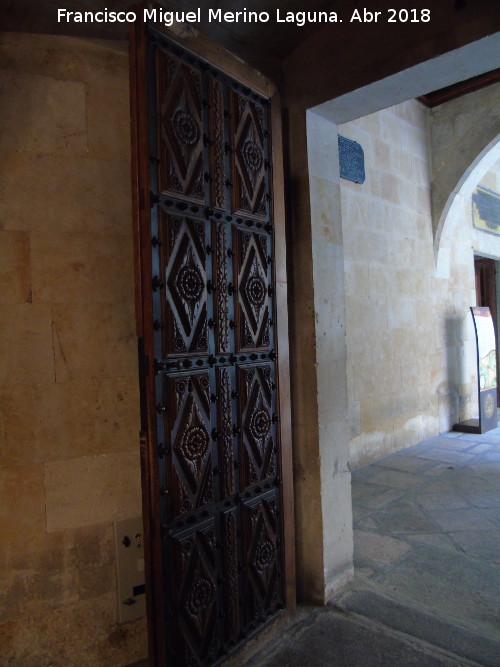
[130,569]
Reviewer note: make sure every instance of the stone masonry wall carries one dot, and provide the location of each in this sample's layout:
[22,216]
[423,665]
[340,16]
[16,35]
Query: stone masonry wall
[69,461]
[410,346]
[393,343]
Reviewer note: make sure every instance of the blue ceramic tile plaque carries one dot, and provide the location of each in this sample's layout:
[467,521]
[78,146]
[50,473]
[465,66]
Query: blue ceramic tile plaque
[352,160]
[486,210]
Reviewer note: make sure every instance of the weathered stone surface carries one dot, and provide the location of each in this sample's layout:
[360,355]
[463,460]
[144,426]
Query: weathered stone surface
[95,560]
[69,461]
[90,490]
[22,503]
[54,114]
[81,267]
[84,633]
[15,274]
[94,196]
[45,422]
[94,341]
[377,550]
[26,345]
[108,117]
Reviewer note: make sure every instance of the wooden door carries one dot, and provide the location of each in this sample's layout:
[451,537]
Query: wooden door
[211,435]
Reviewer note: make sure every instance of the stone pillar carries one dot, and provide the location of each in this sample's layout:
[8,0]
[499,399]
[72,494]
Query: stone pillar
[318,360]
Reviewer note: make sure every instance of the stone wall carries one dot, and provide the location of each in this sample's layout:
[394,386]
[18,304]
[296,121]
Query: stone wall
[461,131]
[69,461]
[410,344]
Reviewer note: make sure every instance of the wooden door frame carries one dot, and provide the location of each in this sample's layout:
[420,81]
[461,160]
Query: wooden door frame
[206,50]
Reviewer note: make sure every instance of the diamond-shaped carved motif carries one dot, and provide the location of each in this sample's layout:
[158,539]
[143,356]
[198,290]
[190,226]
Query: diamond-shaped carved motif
[192,452]
[261,553]
[248,168]
[181,128]
[186,294]
[258,452]
[252,299]
[197,601]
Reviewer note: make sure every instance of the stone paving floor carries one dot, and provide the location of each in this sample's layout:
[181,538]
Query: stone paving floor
[427,565]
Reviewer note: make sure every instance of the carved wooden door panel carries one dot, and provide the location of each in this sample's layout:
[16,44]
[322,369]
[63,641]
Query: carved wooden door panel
[209,372]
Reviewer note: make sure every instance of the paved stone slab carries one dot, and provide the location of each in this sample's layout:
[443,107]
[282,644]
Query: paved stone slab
[404,463]
[377,550]
[395,478]
[458,640]
[461,519]
[451,585]
[327,638]
[447,456]
[484,544]
[438,540]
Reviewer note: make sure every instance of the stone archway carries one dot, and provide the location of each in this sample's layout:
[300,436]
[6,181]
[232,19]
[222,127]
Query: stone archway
[471,165]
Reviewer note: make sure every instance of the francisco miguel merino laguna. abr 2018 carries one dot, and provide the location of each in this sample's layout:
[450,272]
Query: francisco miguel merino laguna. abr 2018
[168,18]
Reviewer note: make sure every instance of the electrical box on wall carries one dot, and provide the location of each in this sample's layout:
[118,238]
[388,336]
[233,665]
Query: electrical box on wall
[130,569]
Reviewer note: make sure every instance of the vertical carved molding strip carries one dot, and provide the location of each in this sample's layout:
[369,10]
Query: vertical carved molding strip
[232,596]
[222,296]
[226,456]
[216,125]
[180,135]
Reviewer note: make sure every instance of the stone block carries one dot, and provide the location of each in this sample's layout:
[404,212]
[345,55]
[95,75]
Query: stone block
[94,341]
[53,113]
[28,592]
[326,218]
[82,268]
[357,281]
[90,490]
[67,58]
[22,504]
[26,345]
[400,162]
[338,533]
[108,117]
[95,560]
[15,267]
[75,191]
[84,633]
[68,419]
[322,148]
